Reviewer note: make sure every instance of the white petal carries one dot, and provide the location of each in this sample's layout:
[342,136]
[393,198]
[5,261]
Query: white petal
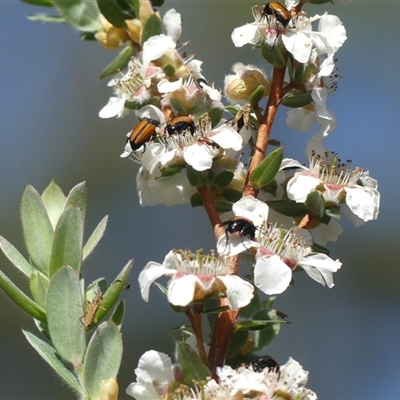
[151,112]
[149,274]
[165,86]
[238,291]
[151,158]
[299,44]
[155,47]
[334,32]
[363,202]
[127,151]
[173,24]
[251,208]
[246,34]
[198,156]
[114,108]
[299,187]
[320,267]
[236,244]
[227,138]
[272,275]
[181,290]
[301,120]
[323,233]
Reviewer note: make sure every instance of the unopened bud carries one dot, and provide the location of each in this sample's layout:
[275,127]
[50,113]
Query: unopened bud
[135,29]
[109,389]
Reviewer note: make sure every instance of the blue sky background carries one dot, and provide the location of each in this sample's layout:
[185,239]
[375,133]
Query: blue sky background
[348,336]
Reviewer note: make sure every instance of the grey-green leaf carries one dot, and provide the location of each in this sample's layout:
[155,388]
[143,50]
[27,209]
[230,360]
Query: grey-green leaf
[95,237]
[152,27]
[77,197]
[54,201]
[21,299]
[41,3]
[17,259]
[192,367]
[84,15]
[64,313]
[54,19]
[102,358]
[118,314]
[68,241]
[48,353]
[38,232]
[267,169]
[119,63]
[39,285]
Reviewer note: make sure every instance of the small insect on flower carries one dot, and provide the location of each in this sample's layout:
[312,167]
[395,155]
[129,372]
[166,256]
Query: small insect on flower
[205,140]
[180,124]
[279,11]
[265,362]
[90,315]
[241,226]
[142,133]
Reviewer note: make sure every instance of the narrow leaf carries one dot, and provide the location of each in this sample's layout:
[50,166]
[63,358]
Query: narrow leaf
[196,200]
[118,314]
[84,15]
[111,10]
[152,27]
[316,204]
[54,201]
[256,325]
[41,3]
[273,54]
[238,340]
[102,358]
[192,367]
[224,178]
[38,232]
[17,259]
[288,207]
[68,241]
[95,238]
[54,19]
[195,178]
[268,168]
[21,299]
[297,100]
[48,353]
[39,285]
[64,312]
[77,197]
[119,63]
[257,96]
[232,195]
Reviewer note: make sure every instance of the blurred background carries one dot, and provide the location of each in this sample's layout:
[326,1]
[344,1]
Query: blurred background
[347,337]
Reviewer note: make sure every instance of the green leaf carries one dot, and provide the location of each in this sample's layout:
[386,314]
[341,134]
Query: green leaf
[64,313]
[119,63]
[267,170]
[39,285]
[38,232]
[102,358]
[316,204]
[88,36]
[265,336]
[157,3]
[273,54]
[238,340]
[231,195]
[297,100]
[172,170]
[152,27]
[178,107]
[215,115]
[41,3]
[215,310]
[256,325]
[252,307]
[196,200]
[68,241]
[334,212]
[257,95]
[17,259]
[77,197]
[317,248]
[288,207]
[118,314]
[192,366]
[48,353]
[128,8]
[223,206]
[95,238]
[111,295]
[223,179]
[54,19]
[54,201]
[21,299]
[84,15]
[195,178]
[300,74]
[112,12]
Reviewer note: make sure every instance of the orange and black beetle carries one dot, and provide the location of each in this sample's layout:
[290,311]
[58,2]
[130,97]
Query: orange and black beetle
[142,132]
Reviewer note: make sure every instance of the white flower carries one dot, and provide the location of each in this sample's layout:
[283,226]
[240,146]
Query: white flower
[281,251]
[251,209]
[193,277]
[339,186]
[289,383]
[154,376]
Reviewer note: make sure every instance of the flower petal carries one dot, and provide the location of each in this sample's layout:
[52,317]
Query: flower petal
[363,202]
[149,274]
[181,290]
[246,34]
[238,291]
[320,268]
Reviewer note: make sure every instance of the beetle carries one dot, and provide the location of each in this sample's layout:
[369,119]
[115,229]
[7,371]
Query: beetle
[263,362]
[142,133]
[180,124]
[241,226]
[90,315]
[206,140]
[279,11]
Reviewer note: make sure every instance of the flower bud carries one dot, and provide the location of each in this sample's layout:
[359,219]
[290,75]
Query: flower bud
[247,79]
[135,29]
[109,389]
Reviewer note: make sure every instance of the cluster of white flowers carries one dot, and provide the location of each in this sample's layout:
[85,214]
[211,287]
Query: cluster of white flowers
[184,146]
